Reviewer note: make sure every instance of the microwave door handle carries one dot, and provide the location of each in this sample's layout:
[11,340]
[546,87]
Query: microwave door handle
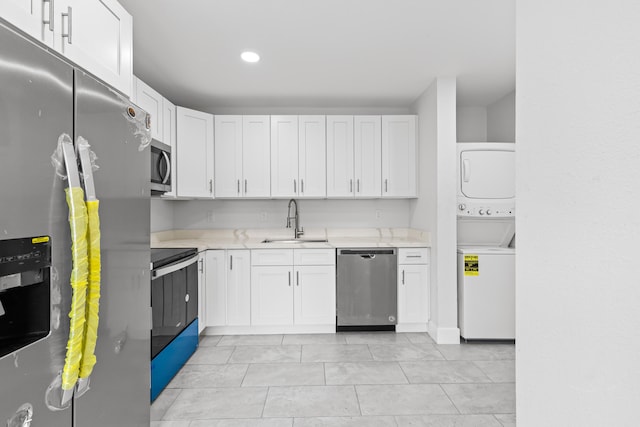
[466,170]
[168,162]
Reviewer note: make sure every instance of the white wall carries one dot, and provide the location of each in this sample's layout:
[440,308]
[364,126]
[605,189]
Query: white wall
[161,214]
[471,124]
[501,119]
[434,210]
[578,181]
[384,213]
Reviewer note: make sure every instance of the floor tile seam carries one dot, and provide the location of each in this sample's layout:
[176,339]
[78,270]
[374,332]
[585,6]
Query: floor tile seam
[170,404]
[450,399]
[264,403]
[246,371]
[355,390]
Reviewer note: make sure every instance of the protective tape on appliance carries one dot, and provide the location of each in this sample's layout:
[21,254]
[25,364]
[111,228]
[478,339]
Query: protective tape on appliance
[139,121]
[81,142]
[57,158]
[93,294]
[79,276]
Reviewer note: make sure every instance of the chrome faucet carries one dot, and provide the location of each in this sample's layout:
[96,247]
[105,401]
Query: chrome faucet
[297,231]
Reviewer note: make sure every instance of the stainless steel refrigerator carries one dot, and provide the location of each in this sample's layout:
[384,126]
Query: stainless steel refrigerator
[41,99]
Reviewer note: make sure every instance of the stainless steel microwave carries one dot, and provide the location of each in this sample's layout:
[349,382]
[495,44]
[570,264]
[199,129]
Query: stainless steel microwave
[160,167]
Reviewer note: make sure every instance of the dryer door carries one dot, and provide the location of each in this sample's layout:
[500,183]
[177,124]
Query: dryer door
[488,174]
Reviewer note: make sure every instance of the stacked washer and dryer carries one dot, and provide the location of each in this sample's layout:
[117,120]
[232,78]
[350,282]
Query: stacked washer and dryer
[486,236]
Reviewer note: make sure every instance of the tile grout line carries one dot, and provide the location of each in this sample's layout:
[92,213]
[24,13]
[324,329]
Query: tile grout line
[355,390]
[450,399]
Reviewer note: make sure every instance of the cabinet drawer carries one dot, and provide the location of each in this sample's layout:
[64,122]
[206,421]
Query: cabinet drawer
[314,256]
[272,257]
[413,256]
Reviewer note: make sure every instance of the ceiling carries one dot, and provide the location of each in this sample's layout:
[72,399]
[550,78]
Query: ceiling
[322,53]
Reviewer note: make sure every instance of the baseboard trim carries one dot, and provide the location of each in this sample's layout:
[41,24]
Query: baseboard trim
[444,335]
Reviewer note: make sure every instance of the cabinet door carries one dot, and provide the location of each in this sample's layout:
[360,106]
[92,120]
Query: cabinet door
[398,156]
[228,156]
[215,293]
[312,156]
[315,295]
[98,36]
[284,156]
[238,287]
[413,293]
[169,136]
[195,153]
[256,149]
[151,101]
[368,156]
[202,291]
[271,295]
[340,172]
[28,15]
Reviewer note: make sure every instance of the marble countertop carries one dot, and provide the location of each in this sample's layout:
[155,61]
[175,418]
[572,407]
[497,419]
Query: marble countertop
[252,238]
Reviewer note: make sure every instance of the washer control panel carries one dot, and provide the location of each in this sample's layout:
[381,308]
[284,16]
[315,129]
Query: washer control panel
[497,210]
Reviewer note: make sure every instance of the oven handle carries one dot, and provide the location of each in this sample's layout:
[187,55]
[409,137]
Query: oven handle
[174,267]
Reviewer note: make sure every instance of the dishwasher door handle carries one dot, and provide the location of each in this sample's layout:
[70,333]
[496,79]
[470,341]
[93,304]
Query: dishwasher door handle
[368,256]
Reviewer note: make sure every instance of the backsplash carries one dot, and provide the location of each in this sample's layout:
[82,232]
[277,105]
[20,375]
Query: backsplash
[214,214]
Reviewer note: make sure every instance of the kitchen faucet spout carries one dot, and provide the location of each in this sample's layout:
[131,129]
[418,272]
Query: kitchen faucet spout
[297,230]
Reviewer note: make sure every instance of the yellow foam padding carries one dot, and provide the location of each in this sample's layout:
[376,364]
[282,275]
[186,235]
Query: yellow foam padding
[78,280]
[93,294]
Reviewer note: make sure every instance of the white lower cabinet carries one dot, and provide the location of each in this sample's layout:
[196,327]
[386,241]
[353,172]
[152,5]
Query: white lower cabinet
[216,288]
[202,291]
[413,289]
[238,287]
[286,294]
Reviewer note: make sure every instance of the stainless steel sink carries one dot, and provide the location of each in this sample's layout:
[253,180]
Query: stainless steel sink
[287,241]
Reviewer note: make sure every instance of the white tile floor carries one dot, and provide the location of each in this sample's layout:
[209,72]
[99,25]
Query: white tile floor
[344,379]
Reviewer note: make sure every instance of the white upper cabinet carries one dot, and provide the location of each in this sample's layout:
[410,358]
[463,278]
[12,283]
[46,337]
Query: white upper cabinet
[312,156]
[284,156]
[256,150]
[97,35]
[194,153]
[242,156]
[228,156]
[368,156]
[152,102]
[399,156]
[34,17]
[340,151]
[169,136]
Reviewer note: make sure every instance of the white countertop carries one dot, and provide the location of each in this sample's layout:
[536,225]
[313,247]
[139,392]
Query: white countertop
[252,238]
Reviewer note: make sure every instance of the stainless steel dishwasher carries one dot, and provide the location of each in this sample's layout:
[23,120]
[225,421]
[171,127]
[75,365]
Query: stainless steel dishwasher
[366,289]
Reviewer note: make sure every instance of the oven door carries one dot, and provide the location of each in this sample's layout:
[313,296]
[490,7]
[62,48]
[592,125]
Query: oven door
[160,167]
[174,293]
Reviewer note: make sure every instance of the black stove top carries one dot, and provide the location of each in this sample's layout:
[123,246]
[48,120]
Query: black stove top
[164,256]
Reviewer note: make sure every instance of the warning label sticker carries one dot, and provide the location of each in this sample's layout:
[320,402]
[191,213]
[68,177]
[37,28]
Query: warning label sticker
[471,267]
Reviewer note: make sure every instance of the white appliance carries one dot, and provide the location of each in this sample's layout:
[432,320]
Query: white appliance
[486,292]
[486,179]
[486,230]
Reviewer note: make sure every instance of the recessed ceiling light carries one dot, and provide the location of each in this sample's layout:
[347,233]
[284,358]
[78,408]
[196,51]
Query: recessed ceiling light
[250,56]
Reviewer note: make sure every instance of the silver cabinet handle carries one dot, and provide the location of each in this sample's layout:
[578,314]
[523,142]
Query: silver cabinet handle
[238,181]
[51,19]
[210,186]
[358,184]
[414,256]
[403,277]
[201,266]
[350,186]
[386,185]
[297,278]
[289,273]
[302,186]
[230,262]
[294,187]
[69,25]
[245,187]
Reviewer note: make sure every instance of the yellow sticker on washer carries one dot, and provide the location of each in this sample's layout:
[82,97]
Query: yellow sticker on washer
[42,239]
[471,267]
